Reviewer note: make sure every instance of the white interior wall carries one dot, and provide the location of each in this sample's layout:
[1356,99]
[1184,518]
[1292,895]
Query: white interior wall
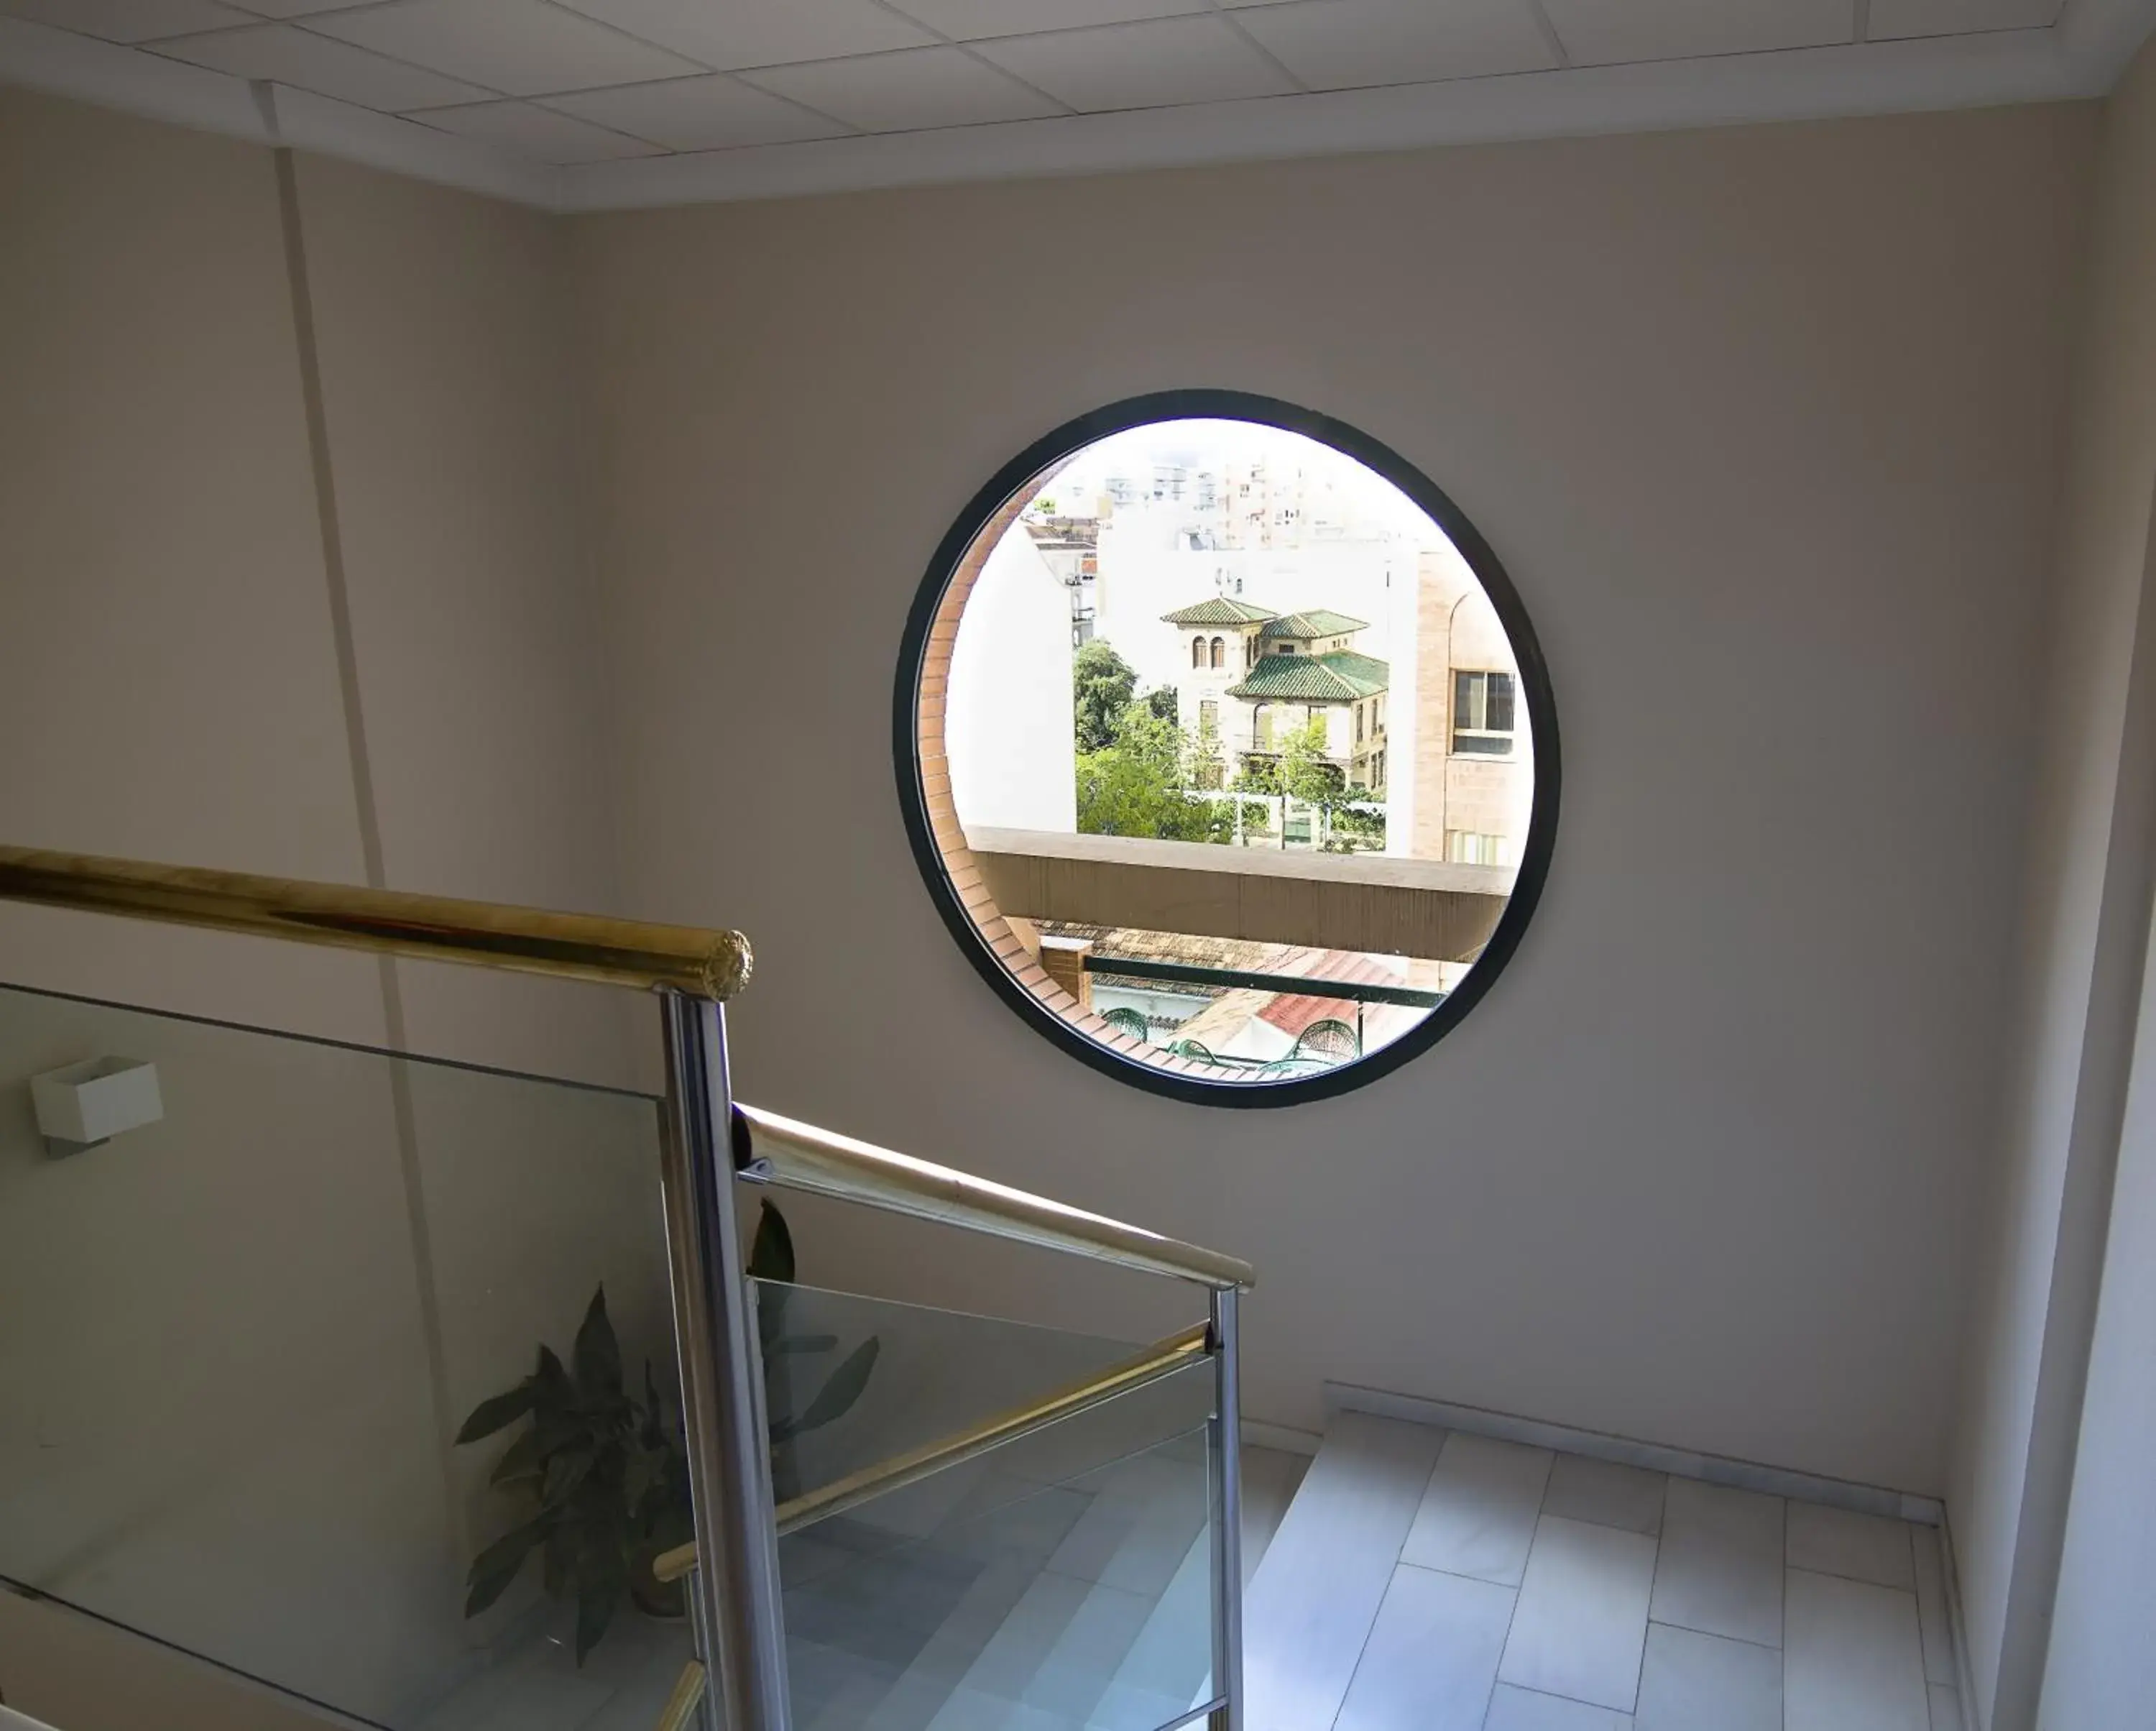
[1763,423]
[200,663]
[2033,1297]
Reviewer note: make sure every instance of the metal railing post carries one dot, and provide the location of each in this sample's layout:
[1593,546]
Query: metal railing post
[738,1616]
[1228,1519]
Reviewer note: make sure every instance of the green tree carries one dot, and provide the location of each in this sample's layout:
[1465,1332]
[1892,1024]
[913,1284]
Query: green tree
[1164,703]
[1204,765]
[1133,785]
[1102,683]
[1300,772]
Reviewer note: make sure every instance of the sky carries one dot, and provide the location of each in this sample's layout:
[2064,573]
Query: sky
[1212,445]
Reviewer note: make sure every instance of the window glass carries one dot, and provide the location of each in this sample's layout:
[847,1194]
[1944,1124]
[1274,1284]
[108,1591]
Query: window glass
[1108,814]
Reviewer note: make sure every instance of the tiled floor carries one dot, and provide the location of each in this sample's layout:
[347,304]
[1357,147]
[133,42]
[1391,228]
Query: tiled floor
[1534,1591]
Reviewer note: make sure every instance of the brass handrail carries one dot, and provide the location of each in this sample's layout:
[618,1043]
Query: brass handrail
[772,1149]
[691,959]
[687,1695]
[1164,1358]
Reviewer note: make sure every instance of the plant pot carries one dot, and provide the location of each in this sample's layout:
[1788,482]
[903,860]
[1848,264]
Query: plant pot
[664,1602]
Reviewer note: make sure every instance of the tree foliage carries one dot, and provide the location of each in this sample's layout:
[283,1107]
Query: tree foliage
[1102,684]
[1134,784]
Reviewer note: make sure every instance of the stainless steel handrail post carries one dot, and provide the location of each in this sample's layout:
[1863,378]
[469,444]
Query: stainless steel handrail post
[1228,1517]
[739,1624]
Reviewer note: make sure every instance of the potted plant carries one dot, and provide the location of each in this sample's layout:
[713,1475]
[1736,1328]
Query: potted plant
[601,1478]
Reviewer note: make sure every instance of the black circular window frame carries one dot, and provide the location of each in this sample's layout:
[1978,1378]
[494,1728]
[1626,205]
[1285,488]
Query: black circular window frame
[1018,475]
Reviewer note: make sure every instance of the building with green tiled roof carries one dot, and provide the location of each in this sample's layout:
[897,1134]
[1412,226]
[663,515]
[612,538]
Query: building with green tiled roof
[1255,677]
[1220,610]
[1320,622]
[1341,677]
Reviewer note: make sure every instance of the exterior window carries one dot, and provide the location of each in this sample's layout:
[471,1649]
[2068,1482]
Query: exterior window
[1136,800]
[1483,714]
[1466,847]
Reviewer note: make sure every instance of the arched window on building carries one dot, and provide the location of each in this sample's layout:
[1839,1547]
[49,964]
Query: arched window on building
[1197,652]
[1220,653]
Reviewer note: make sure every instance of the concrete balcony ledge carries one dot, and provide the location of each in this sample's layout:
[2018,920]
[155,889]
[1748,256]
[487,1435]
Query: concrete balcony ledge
[1370,902]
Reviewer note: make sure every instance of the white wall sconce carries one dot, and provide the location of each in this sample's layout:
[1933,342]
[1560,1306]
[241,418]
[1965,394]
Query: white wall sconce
[87,1103]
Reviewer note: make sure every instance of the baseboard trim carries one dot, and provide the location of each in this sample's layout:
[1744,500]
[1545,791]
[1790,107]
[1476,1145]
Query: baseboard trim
[1655,1457]
[1284,1437]
[1964,1672]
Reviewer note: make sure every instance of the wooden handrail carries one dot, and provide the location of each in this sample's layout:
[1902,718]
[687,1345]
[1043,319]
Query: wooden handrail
[691,959]
[771,1149]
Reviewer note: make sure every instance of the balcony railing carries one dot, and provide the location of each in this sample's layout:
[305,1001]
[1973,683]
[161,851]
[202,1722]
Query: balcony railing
[238,1085]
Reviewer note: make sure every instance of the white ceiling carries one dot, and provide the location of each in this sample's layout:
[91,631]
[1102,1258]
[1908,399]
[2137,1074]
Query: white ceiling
[582,104]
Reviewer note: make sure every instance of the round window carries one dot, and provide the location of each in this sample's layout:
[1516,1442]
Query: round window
[1226,748]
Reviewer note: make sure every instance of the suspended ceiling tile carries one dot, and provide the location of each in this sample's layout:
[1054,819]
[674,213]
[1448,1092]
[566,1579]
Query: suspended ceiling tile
[537,132]
[1148,65]
[290,8]
[967,19]
[1892,18]
[759,32]
[1340,44]
[714,113]
[126,20]
[288,55]
[1598,32]
[909,91]
[524,48]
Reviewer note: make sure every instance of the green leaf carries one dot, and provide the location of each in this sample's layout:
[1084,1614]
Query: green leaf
[565,1472]
[837,1396]
[493,1413]
[493,1567]
[804,1344]
[522,1459]
[551,1391]
[602,1577]
[771,1257]
[597,1353]
[595,1607]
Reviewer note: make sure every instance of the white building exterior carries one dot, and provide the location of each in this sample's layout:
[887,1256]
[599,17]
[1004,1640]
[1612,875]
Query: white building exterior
[1008,721]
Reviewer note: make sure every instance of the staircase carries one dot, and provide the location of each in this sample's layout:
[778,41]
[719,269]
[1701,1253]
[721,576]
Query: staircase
[1423,1581]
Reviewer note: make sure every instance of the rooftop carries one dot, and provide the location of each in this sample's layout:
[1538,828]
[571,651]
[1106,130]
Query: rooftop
[1220,611]
[1320,622]
[1341,677]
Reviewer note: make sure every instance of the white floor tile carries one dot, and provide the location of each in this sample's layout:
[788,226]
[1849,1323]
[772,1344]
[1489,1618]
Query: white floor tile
[1270,1479]
[1006,1665]
[1946,1707]
[1170,1663]
[1477,1516]
[1857,1547]
[1080,1667]
[1513,1709]
[1855,1661]
[1134,1532]
[1932,1618]
[1690,1682]
[1720,1570]
[1582,1619]
[1432,1656]
[1315,1595]
[1606,1494]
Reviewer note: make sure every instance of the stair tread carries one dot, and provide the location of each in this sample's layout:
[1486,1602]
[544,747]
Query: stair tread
[1315,1595]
